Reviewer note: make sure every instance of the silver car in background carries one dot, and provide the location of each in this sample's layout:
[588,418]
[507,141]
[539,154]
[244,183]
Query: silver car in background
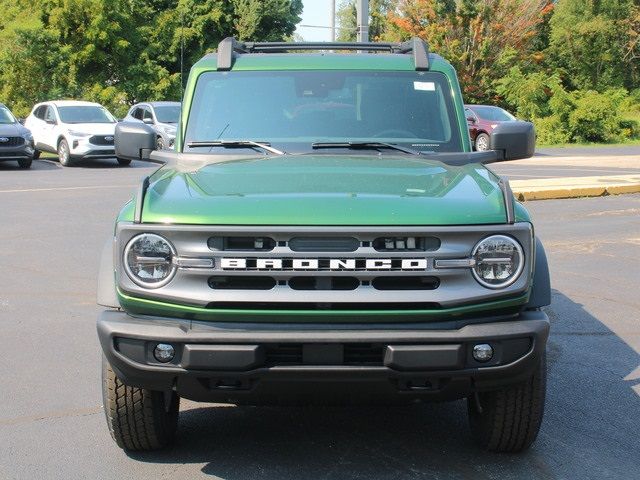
[162,116]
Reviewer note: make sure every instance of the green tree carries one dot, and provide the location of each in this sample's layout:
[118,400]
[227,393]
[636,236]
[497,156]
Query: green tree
[121,51]
[588,43]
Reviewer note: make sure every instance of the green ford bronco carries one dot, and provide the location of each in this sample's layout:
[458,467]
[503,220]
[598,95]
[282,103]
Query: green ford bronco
[323,233]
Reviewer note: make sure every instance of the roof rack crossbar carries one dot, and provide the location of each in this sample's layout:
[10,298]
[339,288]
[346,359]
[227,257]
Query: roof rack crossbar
[286,46]
[228,48]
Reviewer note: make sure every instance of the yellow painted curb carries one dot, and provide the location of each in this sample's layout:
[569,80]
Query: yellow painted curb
[574,187]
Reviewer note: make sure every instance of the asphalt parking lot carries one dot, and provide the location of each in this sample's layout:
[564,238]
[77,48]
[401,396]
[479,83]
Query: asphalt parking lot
[53,223]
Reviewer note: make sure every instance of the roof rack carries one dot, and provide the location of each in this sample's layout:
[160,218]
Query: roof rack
[229,47]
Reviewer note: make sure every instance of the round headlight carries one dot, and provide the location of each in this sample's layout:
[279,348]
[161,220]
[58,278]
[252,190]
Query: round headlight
[148,260]
[499,261]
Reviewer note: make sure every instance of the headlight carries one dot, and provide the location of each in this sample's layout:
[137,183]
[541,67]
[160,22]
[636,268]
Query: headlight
[148,260]
[75,133]
[499,261]
[27,136]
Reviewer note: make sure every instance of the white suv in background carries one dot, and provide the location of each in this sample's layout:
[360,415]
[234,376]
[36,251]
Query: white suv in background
[74,130]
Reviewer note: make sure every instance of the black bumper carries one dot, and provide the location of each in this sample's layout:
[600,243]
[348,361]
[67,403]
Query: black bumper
[23,152]
[283,363]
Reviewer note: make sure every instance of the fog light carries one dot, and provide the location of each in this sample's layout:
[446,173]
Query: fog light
[482,352]
[164,352]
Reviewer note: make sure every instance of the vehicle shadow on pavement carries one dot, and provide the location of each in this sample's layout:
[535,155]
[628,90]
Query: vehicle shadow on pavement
[590,426]
[36,165]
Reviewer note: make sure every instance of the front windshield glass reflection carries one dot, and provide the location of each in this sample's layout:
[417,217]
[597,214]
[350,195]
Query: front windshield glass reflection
[293,109]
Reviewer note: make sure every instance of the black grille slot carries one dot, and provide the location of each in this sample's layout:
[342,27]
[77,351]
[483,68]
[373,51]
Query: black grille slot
[324,244]
[12,142]
[406,244]
[255,244]
[354,354]
[283,354]
[405,283]
[324,283]
[242,283]
[370,354]
[101,139]
[324,306]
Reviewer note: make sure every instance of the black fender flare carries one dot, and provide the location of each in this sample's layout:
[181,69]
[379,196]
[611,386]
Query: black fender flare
[107,296]
[541,281]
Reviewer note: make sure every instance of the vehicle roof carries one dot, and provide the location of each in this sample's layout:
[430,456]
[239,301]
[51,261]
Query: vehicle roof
[71,103]
[480,105]
[324,61]
[160,103]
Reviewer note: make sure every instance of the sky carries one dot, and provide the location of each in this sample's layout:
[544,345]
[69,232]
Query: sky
[316,12]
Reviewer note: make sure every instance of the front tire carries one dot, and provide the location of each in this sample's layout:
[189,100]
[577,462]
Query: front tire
[139,419]
[25,163]
[160,144]
[64,154]
[482,142]
[508,420]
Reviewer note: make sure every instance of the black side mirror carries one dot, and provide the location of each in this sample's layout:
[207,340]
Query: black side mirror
[514,140]
[134,140]
[21,121]
[51,121]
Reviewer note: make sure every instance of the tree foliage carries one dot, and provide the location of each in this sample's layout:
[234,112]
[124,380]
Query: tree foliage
[121,51]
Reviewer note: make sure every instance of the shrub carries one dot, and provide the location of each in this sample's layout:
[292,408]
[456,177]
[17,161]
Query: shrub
[551,130]
[596,117]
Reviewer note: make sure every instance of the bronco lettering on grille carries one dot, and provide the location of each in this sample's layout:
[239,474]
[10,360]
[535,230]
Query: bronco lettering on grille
[323,264]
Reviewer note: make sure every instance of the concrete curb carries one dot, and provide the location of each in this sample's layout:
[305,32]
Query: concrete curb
[574,187]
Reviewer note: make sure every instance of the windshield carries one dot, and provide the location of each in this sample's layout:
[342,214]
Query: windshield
[6,116]
[85,114]
[294,109]
[167,113]
[495,114]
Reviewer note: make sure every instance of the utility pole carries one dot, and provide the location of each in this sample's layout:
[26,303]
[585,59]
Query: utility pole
[362,8]
[333,20]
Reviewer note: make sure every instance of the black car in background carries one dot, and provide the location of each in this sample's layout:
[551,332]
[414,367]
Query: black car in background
[16,141]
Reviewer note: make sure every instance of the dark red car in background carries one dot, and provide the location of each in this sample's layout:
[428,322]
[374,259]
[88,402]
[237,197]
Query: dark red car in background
[482,119]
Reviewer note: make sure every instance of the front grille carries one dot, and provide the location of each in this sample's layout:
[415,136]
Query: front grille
[11,141]
[315,268]
[349,354]
[101,139]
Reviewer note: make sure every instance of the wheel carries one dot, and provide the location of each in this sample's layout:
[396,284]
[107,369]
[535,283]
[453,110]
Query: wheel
[25,163]
[508,420]
[123,162]
[482,142]
[64,154]
[138,419]
[160,144]
[36,154]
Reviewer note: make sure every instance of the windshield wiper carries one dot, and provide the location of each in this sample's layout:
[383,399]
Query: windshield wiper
[364,146]
[238,144]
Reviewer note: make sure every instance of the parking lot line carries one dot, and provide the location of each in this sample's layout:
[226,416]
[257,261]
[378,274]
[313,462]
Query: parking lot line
[93,187]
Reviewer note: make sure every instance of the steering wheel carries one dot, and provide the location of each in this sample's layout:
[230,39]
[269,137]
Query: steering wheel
[397,133]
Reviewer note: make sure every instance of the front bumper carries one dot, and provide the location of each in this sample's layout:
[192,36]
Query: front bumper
[276,363]
[82,149]
[23,152]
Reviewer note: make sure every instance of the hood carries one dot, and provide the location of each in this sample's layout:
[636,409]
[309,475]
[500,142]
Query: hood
[12,130]
[326,190]
[92,128]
